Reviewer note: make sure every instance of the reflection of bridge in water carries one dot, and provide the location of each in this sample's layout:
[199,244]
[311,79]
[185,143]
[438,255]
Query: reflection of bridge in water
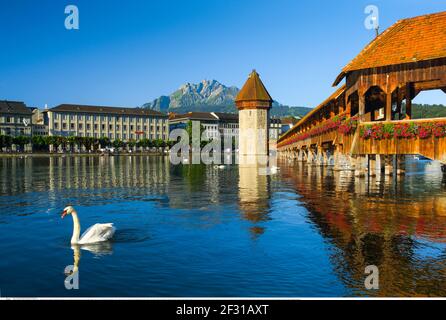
[367,124]
[378,222]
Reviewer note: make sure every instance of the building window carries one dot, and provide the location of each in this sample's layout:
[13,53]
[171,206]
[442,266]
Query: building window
[56,125]
[80,126]
[103,127]
[96,127]
[110,127]
[72,126]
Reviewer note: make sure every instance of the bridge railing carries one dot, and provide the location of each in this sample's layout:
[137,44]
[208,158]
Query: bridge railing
[339,124]
[426,137]
[418,136]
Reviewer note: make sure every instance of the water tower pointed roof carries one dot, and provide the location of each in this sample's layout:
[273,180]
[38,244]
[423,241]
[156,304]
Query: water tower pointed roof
[253,90]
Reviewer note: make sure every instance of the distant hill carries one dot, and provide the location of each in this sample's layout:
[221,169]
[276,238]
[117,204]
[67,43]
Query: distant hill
[211,96]
[421,111]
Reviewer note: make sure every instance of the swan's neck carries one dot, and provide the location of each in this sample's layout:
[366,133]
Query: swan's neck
[76,228]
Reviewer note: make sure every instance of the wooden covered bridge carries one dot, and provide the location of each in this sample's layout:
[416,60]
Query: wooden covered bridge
[367,124]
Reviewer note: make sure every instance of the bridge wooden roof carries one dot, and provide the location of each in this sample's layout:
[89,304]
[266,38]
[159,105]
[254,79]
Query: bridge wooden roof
[253,90]
[333,96]
[409,40]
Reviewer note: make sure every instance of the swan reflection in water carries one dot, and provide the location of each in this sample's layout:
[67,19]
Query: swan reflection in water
[97,249]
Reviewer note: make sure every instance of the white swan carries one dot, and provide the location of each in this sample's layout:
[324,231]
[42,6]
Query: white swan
[96,233]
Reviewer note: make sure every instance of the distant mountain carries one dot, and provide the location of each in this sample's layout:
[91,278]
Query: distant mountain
[205,93]
[211,96]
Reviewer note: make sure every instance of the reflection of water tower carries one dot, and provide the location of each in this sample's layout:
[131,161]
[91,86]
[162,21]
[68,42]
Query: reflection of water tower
[253,103]
[253,196]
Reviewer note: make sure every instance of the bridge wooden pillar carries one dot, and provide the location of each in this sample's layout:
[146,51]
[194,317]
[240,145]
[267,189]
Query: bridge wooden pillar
[389,165]
[409,96]
[361,165]
[388,109]
[371,164]
[337,156]
[380,163]
[401,165]
[301,155]
[319,155]
[399,102]
[306,156]
[361,105]
[310,156]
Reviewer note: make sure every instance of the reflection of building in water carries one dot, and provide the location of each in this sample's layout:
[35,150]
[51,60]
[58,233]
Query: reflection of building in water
[101,174]
[254,196]
[378,223]
[109,172]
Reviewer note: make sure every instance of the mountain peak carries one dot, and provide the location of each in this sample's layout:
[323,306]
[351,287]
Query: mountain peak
[210,96]
[204,93]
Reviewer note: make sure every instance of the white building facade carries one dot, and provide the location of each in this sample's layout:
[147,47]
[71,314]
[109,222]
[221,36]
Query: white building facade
[114,123]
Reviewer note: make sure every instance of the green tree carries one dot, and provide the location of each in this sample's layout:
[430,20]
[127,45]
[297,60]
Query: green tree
[88,142]
[170,143]
[160,143]
[118,143]
[21,141]
[47,142]
[79,141]
[131,143]
[5,141]
[104,141]
[189,127]
[39,143]
[61,141]
[71,141]
[143,143]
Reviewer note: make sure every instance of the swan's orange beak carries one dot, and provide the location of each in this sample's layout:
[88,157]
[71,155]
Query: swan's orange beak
[64,213]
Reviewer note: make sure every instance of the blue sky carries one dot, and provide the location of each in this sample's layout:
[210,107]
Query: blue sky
[129,52]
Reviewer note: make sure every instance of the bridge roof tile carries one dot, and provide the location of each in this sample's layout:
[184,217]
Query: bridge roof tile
[409,40]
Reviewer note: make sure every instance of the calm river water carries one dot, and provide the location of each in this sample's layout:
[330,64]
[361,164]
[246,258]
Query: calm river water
[195,230]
